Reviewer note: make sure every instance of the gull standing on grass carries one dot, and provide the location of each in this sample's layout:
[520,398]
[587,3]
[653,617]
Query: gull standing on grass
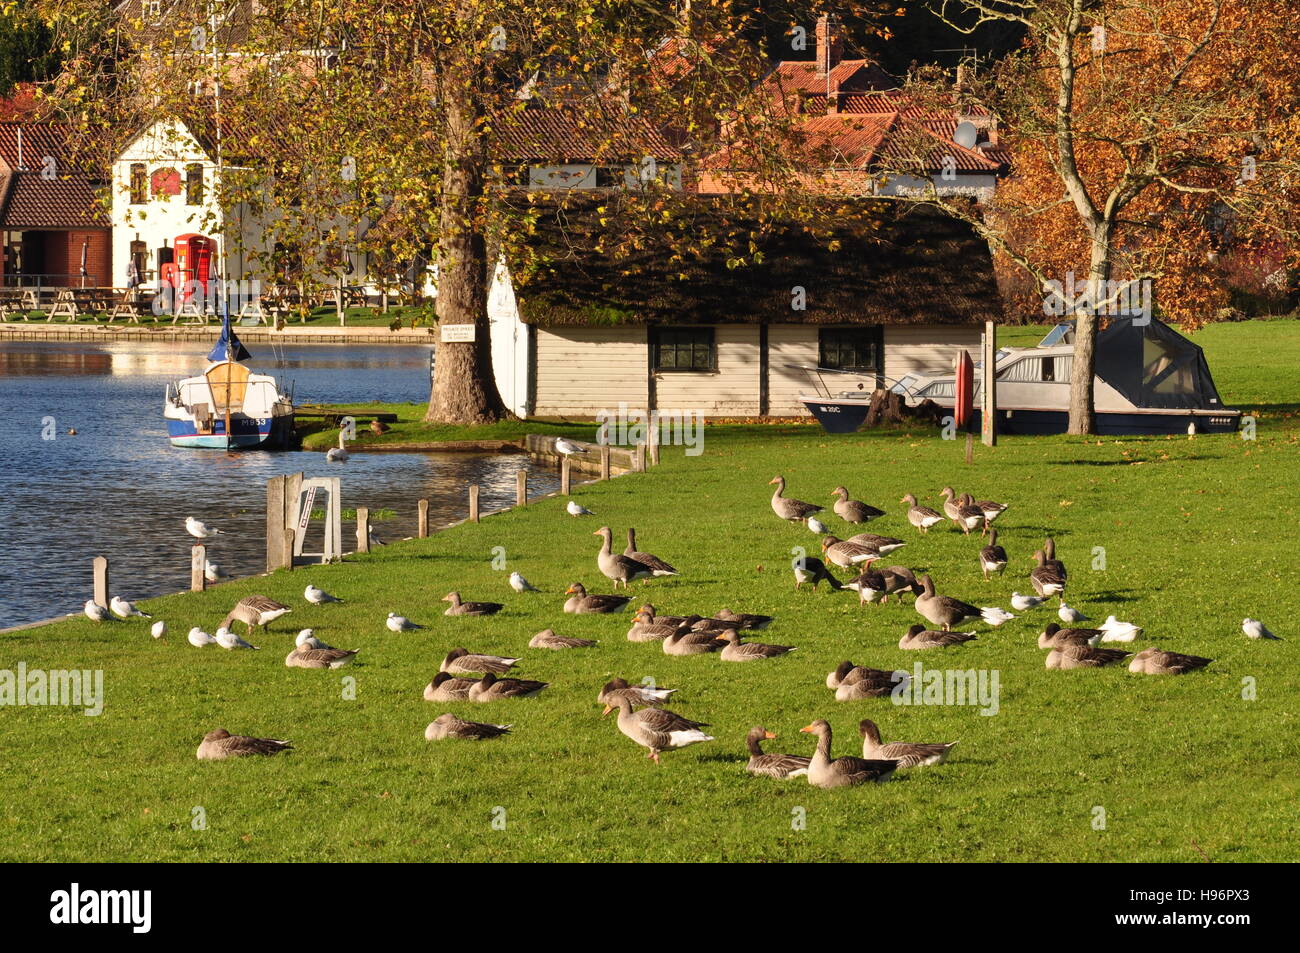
[158,629]
[307,640]
[519,584]
[575,508]
[1069,614]
[318,597]
[400,623]
[1257,630]
[1024,603]
[228,640]
[995,615]
[124,610]
[1115,631]
[198,638]
[200,530]
[95,612]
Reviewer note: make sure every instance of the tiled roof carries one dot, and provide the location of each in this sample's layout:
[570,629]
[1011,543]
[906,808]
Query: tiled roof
[29,201]
[845,76]
[596,131]
[38,140]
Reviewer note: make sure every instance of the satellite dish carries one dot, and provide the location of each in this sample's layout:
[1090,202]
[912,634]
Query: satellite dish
[966,134]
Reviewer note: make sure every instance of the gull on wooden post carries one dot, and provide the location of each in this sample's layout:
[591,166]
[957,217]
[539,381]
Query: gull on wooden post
[200,530]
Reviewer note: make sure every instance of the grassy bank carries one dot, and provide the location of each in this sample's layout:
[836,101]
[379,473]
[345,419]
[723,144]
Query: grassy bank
[410,429]
[1195,535]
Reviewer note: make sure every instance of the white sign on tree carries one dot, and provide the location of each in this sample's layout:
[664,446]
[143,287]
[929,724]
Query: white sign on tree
[457,333]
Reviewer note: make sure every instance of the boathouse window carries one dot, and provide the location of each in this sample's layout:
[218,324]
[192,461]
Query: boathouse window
[851,349]
[683,349]
[194,183]
[139,184]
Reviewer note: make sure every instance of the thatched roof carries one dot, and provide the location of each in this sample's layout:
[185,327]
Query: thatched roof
[874,262]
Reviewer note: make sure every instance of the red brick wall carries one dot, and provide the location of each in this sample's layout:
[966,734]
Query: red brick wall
[63,257]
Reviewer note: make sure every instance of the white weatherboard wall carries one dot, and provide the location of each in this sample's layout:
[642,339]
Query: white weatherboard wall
[732,389]
[509,343]
[586,370]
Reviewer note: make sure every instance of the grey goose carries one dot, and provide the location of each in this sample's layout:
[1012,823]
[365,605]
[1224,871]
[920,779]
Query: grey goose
[825,772]
[772,765]
[796,511]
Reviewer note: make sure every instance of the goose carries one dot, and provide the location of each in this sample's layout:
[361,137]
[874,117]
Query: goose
[229,640]
[1255,629]
[305,657]
[655,729]
[675,620]
[992,510]
[1049,549]
[817,526]
[447,688]
[812,570]
[461,662]
[255,611]
[490,688]
[583,602]
[744,620]
[881,544]
[645,628]
[200,530]
[1152,661]
[547,639]
[823,772]
[158,629]
[738,651]
[846,555]
[379,428]
[716,626]
[519,584]
[922,517]
[965,513]
[907,755]
[943,610]
[1055,637]
[469,608]
[198,638]
[869,585]
[1079,655]
[796,511]
[1047,581]
[220,744]
[995,615]
[337,454]
[919,637]
[574,508]
[646,695]
[125,610]
[656,565]
[318,597]
[400,623]
[772,765]
[873,687]
[899,579]
[615,566]
[847,672]
[448,725]
[853,511]
[951,504]
[1115,631]
[684,642]
[993,558]
[1069,614]
[95,612]
[1025,603]
[306,639]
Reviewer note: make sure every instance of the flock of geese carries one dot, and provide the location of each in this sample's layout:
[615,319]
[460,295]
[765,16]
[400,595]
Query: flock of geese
[641,716]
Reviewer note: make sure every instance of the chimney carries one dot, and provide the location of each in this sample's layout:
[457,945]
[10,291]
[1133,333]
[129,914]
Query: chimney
[961,77]
[830,46]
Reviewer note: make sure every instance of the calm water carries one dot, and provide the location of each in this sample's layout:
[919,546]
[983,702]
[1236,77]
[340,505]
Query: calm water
[118,489]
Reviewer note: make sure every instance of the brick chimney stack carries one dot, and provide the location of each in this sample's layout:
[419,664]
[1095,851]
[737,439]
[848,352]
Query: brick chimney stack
[830,46]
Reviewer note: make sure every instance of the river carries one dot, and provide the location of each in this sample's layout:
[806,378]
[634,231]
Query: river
[118,489]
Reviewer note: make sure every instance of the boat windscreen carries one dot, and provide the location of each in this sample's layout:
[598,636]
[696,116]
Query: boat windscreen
[1057,335]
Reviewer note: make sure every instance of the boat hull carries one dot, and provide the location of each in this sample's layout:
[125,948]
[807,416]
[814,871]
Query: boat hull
[839,416]
[247,433]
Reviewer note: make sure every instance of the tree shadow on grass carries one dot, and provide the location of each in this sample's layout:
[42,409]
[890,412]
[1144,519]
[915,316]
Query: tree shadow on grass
[1117,595]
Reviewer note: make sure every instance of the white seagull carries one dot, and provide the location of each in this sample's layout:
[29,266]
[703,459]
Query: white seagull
[307,640]
[198,638]
[318,597]
[200,530]
[1068,614]
[228,640]
[996,615]
[567,447]
[158,629]
[519,584]
[400,623]
[124,610]
[577,509]
[1025,602]
[1113,630]
[95,611]
[211,571]
[818,527]
[1257,630]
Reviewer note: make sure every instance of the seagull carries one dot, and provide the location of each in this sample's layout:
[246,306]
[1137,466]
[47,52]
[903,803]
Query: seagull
[198,638]
[1115,631]
[318,597]
[1067,614]
[95,611]
[1025,602]
[124,610]
[818,527]
[1257,630]
[307,640]
[996,616]
[400,623]
[211,571]
[375,540]
[158,629]
[228,640]
[567,447]
[577,509]
[200,530]
[519,584]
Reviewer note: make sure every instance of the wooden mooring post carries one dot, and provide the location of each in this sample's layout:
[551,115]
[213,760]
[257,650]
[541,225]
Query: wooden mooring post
[198,567]
[363,529]
[473,503]
[970,447]
[566,479]
[604,461]
[521,487]
[640,458]
[654,446]
[422,527]
[101,581]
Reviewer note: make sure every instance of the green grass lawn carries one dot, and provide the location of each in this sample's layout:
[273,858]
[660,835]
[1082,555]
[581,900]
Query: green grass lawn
[1197,533]
[410,428]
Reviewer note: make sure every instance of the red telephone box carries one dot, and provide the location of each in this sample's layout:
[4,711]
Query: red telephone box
[964,391]
[195,256]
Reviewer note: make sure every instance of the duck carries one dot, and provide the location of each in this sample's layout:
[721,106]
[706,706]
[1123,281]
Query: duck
[685,642]
[125,610]
[1080,655]
[616,567]
[1254,629]
[547,639]
[490,688]
[646,628]
[1153,661]
[256,611]
[1047,581]
[221,744]
[574,508]
[1114,630]
[583,602]
[656,565]
[825,772]
[919,637]
[379,428]
[995,615]
[400,623]
[642,695]
[305,657]
[519,584]
[796,511]
[1069,614]
[881,544]
[943,610]
[1025,603]
[812,570]
[772,765]
[853,511]
[95,612]
[198,638]
[448,688]
[846,555]
[908,755]
[458,607]
[338,454]
[744,620]
[462,662]
[228,640]
[993,558]
[922,517]
[656,729]
[738,651]
[317,596]
[448,725]
[1054,636]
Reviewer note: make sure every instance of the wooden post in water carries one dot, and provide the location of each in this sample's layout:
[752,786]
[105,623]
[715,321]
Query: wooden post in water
[422,528]
[198,565]
[101,581]
[473,503]
[275,520]
[521,487]
[363,529]
[640,458]
[604,461]
[565,477]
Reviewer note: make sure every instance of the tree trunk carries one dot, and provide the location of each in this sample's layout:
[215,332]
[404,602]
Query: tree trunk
[1083,415]
[464,388]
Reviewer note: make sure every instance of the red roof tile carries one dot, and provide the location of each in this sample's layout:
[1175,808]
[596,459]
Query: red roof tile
[29,201]
[579,133]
